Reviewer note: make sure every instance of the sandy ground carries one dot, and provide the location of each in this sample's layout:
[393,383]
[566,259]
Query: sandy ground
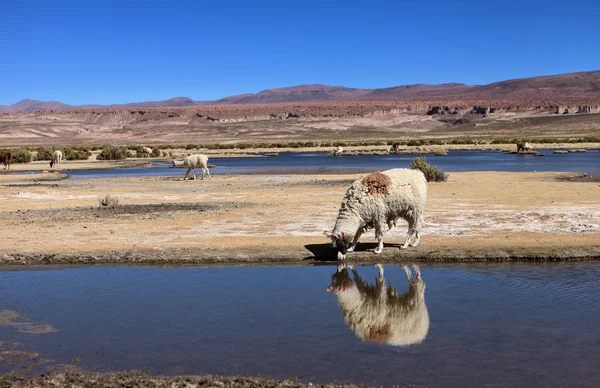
[281,218]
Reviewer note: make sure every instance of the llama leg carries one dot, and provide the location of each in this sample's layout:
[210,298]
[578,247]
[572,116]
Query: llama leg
[194,171]
[380,268]
[411,232]
[379,235]
[379,245]
[408,274]
[208,172]
[417,238]
[417,228]
[408,237]
[417,271]
[186,174]
[355,240]
[360,285]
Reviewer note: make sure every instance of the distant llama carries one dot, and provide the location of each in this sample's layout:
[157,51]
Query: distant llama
[524,145]
[6,158]
[56,158]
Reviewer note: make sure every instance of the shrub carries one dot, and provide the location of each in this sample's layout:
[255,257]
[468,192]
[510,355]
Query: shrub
[44,153]
[155,152]
[108,201]
[112,153]
[432,174]
[21,156]
[76,154]
[191,146]
[139,152]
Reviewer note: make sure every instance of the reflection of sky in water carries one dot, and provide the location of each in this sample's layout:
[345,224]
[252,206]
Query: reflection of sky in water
[455,161]
[518,324]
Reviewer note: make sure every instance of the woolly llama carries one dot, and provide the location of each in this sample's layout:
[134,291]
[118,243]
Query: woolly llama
[378,200]
[378,313]
[196,161]
[56,158]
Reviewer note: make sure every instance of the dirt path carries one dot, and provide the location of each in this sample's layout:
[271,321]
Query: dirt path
[281,218]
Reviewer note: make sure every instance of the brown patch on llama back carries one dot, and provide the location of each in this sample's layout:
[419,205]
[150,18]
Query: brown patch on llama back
[377,183]
[380,334]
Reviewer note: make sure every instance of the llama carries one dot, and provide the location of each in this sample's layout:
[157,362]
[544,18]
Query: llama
[376,200]
[56,158]
[6,158]
[395,148]
[194,161]
[338,151]
[376,313]
[523,146]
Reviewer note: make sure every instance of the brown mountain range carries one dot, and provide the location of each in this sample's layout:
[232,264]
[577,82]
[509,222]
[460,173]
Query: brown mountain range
[565,87]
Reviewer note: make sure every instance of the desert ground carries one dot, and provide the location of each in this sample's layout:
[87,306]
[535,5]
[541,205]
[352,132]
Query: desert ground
[281,219]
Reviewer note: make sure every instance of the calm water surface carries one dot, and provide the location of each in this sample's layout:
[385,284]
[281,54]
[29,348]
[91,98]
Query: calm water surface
[509,325]
[588,162]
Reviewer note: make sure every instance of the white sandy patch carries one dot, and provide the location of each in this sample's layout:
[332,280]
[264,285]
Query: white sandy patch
[54,197]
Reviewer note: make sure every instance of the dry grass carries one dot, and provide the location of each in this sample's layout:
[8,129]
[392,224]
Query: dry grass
[108,201]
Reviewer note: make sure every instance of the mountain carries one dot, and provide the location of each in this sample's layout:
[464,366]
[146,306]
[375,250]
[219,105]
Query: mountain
[177,101]
[572,85]
[29,105]
[563,87]
[297,94]
[419,91]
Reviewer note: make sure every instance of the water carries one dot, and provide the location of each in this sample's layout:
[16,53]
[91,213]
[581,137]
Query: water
[500,325]
[455,161]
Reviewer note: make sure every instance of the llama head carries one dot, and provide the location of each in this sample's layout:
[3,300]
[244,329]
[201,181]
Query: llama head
[340,281]
[340,241]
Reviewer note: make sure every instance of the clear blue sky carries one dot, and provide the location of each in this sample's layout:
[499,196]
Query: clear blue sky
[101,52]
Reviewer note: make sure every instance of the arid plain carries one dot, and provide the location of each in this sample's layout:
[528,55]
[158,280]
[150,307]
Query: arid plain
[237,218]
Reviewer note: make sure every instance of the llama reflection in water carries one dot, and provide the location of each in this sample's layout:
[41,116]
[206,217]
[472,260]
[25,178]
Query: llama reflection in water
[378,313]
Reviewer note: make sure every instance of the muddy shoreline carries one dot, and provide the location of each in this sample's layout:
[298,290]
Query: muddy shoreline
[321,255]
[133,379]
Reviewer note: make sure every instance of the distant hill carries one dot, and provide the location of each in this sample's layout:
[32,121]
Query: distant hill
[31,105]
[297,94]
[572,86]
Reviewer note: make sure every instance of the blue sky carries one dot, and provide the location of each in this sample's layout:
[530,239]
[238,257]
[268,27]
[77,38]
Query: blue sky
[83,52]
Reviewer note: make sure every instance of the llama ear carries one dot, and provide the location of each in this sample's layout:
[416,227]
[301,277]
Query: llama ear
[329,289]
[328,234]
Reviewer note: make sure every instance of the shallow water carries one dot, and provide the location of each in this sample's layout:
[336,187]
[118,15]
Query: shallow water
[588,162]
[500,325]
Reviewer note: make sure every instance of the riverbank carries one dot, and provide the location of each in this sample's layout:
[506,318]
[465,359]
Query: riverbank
[75,378]
[269,157]
[242,219]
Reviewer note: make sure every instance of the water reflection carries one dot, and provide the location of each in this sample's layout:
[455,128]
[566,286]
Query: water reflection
[378,313]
